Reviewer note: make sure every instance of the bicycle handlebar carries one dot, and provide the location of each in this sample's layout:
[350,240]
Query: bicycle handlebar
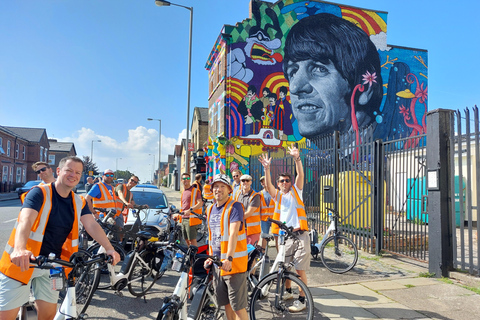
[284,227]
[44,262]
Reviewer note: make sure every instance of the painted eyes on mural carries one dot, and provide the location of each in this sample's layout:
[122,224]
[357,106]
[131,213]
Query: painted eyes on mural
[319,70]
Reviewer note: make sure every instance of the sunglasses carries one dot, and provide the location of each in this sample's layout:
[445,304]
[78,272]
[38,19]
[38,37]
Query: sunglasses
[109,175]
[244,180]
[284,180]
[186,178]
[134,181]
[41,170]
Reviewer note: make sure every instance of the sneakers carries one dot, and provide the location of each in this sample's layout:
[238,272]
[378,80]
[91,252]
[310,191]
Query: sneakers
[297,306]
[287,295]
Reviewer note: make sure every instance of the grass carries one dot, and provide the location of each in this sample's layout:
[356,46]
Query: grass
[426,274]
[409,286]
[476,290]
[446,280]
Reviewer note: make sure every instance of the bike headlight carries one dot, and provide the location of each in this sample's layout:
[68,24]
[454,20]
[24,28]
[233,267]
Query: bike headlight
[164,222]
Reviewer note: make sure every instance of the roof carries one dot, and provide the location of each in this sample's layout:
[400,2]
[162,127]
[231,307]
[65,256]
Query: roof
[29,134]
[60,146]
[203,114]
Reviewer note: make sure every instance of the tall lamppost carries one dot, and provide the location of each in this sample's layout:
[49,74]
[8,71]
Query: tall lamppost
[159,147]
[91,150]
[153,167]
[161,3]
[116,166]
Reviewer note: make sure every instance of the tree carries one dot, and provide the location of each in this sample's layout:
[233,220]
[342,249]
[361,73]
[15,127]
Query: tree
[89,166]
[125,174]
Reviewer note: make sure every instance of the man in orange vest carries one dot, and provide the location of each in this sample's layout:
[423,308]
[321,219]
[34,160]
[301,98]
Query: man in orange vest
[289,208]
[251,204]
[44,171]
[125,197]
[227,240]
[191,200]
[236,174]
[48,223]
[266,211]
[102,195]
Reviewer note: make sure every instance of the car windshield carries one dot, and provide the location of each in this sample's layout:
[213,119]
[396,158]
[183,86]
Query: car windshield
[155,200]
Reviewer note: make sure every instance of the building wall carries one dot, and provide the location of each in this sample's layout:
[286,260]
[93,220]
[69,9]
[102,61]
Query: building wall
[13,159]
[37,151]
[369,83]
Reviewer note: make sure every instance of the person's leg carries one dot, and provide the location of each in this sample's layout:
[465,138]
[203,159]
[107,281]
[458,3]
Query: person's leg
[45,297]
[231,315]
[303,277]
[9,314]
[191,235]
[242,314]
[13,294]
[45,310]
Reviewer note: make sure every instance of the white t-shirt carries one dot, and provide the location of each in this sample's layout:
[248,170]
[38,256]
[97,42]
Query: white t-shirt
[288,212]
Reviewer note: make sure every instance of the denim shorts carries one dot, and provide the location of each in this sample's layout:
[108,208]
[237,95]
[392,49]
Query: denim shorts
[265,225]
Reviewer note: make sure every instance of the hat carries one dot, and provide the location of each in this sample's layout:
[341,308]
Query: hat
[262,178]
[246,177]
[108,171]
[221,178]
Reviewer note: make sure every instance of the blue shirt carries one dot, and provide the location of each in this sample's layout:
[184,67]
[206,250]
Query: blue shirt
[96,193]
[215,222]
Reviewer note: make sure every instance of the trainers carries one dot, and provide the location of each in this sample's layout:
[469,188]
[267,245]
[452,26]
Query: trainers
[297,306]
[287,295]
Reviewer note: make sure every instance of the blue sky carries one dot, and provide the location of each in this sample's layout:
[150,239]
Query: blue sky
[97,69]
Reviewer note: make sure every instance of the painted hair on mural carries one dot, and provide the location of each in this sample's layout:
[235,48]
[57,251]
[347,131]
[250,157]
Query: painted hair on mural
[325,37]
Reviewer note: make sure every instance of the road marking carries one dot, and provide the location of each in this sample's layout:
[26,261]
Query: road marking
[10,220]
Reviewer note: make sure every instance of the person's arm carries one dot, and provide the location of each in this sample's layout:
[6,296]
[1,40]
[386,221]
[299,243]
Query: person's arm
[97,233]
[254,205]
[89,200]
[121,196]
[265,160]
[234,228]
[299,180]
[20,255]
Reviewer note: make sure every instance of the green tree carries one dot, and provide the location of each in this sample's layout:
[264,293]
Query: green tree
[89,166]
[125,174]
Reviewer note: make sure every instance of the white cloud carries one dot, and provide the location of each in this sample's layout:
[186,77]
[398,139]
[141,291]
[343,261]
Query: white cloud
[380,41]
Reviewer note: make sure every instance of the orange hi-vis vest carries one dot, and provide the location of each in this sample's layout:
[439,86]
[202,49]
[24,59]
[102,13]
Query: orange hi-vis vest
[35,239]
[194,221]
[252,222]
[266,209]
[107,200]
[207,192]
[240,257]
[299,206]
[119,202]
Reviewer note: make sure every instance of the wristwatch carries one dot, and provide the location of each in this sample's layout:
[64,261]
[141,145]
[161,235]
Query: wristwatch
[230,258]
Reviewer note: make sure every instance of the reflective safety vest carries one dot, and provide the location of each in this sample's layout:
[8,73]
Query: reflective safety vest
[107,200]
[299,206]
[120,204]
[252,222]
[207,192]
[240,257]
[266,209]
[194,221]
[35,239]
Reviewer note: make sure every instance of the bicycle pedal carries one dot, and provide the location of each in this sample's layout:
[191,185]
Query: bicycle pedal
[118,293]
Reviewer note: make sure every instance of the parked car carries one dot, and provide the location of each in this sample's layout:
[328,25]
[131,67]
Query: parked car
[147,186]
[27,186]
[156,218]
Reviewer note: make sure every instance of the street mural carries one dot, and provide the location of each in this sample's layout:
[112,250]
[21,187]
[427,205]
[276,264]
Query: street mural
[301,69]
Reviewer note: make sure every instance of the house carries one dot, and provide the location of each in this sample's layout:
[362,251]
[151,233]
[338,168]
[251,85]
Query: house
[58,151]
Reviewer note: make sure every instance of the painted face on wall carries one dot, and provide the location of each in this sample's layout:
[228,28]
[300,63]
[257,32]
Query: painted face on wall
[317,93]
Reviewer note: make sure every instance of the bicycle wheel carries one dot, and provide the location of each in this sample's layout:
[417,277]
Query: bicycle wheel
[262,304]
[210,311]
[170,313]
[104,282]
[339,254]
[142,274]
[202,232]
[85,286]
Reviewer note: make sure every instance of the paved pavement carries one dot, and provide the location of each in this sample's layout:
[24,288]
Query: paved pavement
[387,287]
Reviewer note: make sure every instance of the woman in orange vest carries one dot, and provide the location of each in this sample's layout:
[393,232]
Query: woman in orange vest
[48,223]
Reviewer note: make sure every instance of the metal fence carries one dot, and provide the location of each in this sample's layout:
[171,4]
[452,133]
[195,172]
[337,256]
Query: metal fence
[465,180]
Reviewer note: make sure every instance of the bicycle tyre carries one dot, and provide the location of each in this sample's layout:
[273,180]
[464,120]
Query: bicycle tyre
[142,277]
[169,314]
[85,286]
[210,312]
[262,305]
[202,232]
[339,254]
[104,282]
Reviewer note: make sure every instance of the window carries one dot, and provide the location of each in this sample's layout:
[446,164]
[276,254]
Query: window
[45,154]
[51,159]
[18,177]
[1,146]
[24,153]
[24,178]
[4,173]
[8,147]
[41,153]
[11,175]
[17,150]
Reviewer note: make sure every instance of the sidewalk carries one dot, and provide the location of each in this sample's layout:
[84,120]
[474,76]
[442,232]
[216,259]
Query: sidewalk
[387,287]
[8,196]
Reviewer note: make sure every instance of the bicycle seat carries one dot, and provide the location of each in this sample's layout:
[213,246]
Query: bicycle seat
[144,235]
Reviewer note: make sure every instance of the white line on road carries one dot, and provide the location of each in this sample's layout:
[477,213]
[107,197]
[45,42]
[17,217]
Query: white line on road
[9,220]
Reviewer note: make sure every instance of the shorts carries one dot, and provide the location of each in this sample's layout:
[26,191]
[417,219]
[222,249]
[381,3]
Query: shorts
[119,221]
[189,232]
[231,289]
[265,225]
[298,250]
[14,294]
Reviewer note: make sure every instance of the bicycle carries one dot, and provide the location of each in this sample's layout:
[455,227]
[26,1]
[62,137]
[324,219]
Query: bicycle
[338,253]
[78,293]
[204,304]
[267,298]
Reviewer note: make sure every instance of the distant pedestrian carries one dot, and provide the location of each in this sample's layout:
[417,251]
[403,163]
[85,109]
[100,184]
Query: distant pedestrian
[89,184]
[251,204]
[266,211]
[236,174]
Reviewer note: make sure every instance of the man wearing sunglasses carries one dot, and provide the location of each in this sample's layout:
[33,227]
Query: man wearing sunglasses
[236,174]
[251,203]
[102,195]
[125,197]
[289,207]
[44,171]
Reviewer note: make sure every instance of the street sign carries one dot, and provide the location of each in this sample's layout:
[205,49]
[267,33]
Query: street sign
[191,146]
[90,173]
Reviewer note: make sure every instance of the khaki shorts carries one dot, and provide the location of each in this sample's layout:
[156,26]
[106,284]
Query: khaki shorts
[189,232]
[299,251]
[14,294]
[231,289]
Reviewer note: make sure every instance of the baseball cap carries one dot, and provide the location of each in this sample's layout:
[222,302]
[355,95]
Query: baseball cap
[108,171]
[262,178]
[221,178]
[246,177]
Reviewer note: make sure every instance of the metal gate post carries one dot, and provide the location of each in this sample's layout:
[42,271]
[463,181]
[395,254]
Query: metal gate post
[440,247]
[378,198]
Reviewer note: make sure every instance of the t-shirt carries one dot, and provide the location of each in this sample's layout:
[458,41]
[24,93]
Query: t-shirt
[96,193]
[245,200]
[288,213]
[266,196]
[187,196]
[215,221]
[126,193]
[60,221]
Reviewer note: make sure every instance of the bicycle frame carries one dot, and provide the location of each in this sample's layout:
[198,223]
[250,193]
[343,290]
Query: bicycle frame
[331,229]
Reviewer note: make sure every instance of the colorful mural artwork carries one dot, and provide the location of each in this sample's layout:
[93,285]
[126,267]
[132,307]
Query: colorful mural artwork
[297,70]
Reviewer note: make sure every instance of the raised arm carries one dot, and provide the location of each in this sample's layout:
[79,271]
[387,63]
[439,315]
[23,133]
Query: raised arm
[299,180]
[265,160]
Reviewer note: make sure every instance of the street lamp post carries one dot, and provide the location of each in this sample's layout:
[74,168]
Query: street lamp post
[159,184]
[91,150]
[161,3]
[153,167]
[116,166]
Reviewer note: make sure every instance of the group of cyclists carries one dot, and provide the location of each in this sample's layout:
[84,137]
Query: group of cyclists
[236,215]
